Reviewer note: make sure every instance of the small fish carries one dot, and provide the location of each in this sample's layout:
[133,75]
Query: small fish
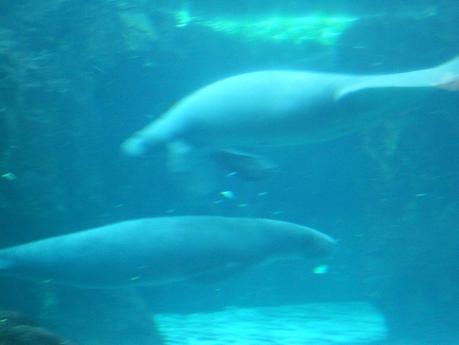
[320,269]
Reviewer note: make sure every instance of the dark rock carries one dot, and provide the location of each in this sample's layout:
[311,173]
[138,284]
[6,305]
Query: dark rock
[18,329]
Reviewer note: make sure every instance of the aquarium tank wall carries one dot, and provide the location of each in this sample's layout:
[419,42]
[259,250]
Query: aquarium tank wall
[77,78]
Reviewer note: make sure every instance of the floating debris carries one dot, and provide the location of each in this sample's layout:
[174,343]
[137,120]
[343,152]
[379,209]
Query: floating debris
[183,18]
[227,194]
[320,269]
[8,176]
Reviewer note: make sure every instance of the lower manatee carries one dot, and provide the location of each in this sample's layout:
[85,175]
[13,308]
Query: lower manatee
[160,250]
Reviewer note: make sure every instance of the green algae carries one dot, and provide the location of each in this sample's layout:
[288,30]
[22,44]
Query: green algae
[320,28]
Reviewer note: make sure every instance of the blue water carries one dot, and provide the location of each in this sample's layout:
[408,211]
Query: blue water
[388,194]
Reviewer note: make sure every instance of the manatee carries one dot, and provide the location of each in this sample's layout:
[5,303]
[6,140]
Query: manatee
[278,108]
[154,251]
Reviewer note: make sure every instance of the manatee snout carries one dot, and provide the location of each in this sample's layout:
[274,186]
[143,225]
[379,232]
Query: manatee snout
[134,146]
[324,246]
[330,246]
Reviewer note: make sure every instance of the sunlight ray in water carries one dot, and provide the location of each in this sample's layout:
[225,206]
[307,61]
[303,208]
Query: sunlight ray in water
[305,324]
[317,27]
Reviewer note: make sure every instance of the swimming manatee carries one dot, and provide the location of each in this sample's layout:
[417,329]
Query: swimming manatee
[279,108]
[160,250]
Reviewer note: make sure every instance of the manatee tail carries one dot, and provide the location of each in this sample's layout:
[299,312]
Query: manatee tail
[449,75]
[444,76]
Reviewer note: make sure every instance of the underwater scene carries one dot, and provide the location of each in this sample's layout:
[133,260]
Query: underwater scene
[246,172]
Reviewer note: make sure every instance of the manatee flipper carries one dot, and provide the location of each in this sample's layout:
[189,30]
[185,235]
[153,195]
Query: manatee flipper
[444,76]
[248,166]
[192,168]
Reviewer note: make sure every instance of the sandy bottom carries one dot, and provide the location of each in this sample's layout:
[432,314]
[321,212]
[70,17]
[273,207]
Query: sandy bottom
[350,323]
